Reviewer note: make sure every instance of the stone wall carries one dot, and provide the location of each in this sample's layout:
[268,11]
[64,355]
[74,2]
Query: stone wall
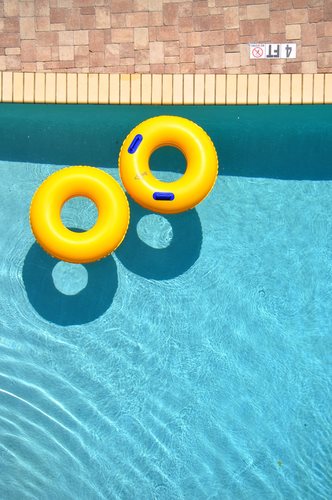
[162,36]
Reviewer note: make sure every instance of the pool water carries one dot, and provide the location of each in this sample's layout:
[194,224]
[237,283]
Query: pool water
[194,363]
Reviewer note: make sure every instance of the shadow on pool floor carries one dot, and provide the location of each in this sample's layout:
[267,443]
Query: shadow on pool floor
[138,257]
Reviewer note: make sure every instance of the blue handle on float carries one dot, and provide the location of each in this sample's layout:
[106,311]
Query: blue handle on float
[135,143]
[163,196]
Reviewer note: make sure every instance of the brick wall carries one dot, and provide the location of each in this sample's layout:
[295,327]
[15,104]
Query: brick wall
[162,36]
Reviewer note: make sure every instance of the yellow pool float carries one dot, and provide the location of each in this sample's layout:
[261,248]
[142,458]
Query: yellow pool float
[168,197]
[109,229]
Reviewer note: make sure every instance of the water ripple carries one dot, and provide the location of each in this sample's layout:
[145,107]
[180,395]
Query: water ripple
[206,383]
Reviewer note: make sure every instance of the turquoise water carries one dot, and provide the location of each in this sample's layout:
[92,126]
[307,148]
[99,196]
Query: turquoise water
[194,363]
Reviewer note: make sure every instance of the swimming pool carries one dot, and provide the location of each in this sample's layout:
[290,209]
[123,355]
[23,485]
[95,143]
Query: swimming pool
[195,362]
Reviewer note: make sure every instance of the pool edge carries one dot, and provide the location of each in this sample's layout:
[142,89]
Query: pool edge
[165,89]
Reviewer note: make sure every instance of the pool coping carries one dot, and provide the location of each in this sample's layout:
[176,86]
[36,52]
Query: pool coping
[168,89]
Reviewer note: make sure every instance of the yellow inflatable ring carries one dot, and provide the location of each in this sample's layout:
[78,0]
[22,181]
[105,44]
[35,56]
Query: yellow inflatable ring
[168,197]
[109,229]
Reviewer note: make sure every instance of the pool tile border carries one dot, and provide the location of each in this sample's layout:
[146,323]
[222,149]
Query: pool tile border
[174,89]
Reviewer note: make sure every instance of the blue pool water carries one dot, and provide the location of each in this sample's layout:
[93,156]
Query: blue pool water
[194,363]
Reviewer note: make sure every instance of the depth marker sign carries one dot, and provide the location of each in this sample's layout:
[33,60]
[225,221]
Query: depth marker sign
[272,50]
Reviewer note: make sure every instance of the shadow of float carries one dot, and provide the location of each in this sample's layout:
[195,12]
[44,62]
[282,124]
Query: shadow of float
[138,257]
[162,263]
[87,305]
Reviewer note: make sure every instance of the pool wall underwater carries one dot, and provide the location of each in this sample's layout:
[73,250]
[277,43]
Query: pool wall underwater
[283,142]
